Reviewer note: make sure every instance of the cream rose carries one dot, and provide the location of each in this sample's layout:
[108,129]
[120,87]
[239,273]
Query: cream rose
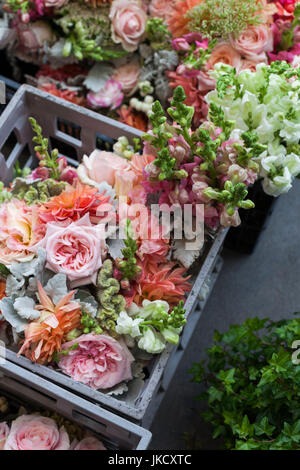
[128,76]
[128,23]
[102,167]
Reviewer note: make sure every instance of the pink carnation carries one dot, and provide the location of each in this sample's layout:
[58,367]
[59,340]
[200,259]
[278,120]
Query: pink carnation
[90,443]
[75,250]
[99,361]
[34,432]
[110,96]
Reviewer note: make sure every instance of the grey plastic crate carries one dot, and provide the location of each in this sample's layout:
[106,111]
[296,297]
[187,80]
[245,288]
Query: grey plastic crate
[116,433]
[88,126]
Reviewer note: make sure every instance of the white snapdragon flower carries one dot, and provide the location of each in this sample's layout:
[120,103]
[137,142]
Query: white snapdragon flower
[279,184]
[290,131]
[152,342]
[126,325]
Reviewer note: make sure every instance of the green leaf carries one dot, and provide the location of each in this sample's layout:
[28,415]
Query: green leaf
[4,271]
[263,427]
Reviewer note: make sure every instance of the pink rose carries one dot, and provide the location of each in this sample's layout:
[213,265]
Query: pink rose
[128,23]
[34,432]
[4,431]
[160,8]
[226,54]
[75,250]
[55,3]
[90,443]
[32,36]
[128,76]
[110,96]
[99,361]
[254,42]
[102,166]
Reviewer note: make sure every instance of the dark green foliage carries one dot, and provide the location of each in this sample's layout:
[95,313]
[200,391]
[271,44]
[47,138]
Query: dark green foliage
[252,385]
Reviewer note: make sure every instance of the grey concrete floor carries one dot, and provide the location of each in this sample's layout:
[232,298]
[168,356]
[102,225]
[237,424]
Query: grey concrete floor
[264,284]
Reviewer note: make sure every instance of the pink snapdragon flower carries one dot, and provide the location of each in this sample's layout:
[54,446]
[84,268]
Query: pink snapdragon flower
[99,361]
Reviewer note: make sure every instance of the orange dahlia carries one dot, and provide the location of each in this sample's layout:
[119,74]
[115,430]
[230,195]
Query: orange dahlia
[45,337]
[73,203]
[161,281]
[133,118]
[177,23]
[68,95]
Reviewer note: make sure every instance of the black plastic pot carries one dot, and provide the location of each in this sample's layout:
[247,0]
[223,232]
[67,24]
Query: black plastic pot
[245,237]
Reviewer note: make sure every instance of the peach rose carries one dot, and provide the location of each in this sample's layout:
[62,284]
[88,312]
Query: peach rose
[128,23]
[102,166]
[160,8]
[20,230]
[75,250]
[226,54]
[254,42]
[128,76]
[98,361]
[34,432]
[90,443]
